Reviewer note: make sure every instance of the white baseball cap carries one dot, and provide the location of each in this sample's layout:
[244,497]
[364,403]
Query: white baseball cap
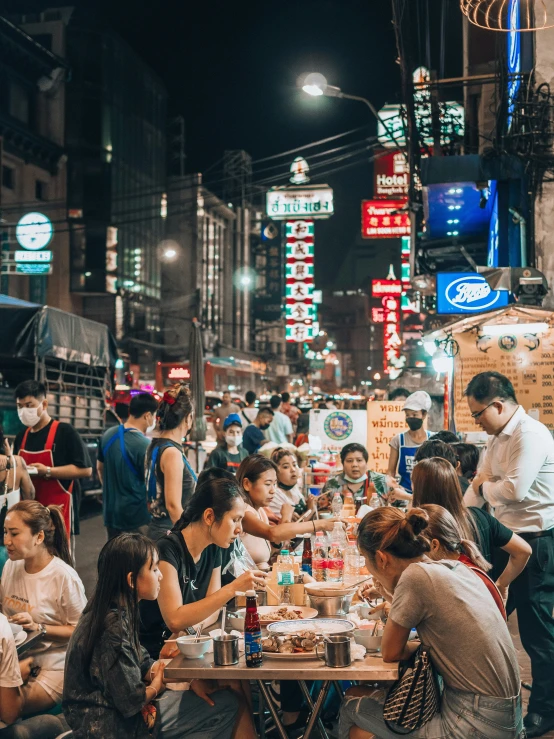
[418,401]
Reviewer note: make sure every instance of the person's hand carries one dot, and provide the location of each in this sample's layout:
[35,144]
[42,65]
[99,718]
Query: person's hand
[25,667]
[328,524]
[381,589]
[478,480]
[25,620]
[203,688]
[169,650]
[504,589]
[251,580]
[157,677]
[398,493]
[41,469]
[312,502]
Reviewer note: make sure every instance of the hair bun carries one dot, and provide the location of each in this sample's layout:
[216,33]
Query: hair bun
[418,520]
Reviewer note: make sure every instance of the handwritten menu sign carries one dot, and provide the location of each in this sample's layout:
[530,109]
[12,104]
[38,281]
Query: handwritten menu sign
[527,360]
[385,419]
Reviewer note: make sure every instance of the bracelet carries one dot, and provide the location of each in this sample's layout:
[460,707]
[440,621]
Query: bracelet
[155,693]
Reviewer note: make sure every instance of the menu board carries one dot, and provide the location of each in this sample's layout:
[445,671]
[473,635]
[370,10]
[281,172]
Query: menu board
[385,419]
[527,360]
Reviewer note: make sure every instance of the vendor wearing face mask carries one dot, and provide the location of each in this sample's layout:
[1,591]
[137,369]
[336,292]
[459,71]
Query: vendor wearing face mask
[53,451]
[230,452]
[120,465]
[404,446]
[354,478]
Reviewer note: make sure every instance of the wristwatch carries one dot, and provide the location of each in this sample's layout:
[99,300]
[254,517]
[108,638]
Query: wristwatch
[42,629]
[48,473]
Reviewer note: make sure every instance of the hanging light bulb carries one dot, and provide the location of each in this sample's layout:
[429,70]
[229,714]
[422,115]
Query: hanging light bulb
[508,15]
[442,363]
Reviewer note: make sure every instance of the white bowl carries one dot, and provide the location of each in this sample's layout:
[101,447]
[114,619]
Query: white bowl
[363,637]
[192,649]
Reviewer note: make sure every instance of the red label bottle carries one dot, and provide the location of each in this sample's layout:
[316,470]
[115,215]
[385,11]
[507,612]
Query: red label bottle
[252,632]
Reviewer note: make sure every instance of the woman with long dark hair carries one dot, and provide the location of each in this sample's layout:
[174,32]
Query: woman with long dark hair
[113,688]
[435,481]
[41,592]
[469,642]
[258,477]
[170,479]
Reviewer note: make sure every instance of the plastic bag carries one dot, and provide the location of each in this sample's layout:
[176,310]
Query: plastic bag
[240,561]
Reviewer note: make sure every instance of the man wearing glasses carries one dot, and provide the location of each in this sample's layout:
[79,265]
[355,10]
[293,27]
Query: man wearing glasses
[517,479]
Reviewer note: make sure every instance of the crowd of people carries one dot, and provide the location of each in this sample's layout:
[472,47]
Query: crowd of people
[458,541]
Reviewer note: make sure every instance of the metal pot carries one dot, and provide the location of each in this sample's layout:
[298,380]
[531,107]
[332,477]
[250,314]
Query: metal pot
[331,605]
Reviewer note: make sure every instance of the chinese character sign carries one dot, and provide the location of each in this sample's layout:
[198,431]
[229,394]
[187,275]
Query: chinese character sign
[384,219]
[300,309]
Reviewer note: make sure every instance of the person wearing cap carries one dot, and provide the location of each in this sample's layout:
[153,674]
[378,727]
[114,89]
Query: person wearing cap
[229,453]
[404,446]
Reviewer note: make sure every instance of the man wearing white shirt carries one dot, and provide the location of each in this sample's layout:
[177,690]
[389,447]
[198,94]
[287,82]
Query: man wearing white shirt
[517,479]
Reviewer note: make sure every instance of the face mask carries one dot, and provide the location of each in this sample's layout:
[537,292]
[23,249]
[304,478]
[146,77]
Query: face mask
[234,440]
[351,479]
[264,427]
[30,416]
[151,427]
[414,423]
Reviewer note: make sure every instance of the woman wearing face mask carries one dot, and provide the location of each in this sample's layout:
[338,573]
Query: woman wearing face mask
[355,477]
[170,479]
[257,476]
[440,599]
[229,454]
[404,446]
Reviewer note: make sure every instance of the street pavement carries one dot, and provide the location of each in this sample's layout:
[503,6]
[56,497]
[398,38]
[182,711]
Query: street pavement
[93,538]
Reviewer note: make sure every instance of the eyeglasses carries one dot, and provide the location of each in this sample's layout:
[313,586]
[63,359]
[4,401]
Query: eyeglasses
[478,415]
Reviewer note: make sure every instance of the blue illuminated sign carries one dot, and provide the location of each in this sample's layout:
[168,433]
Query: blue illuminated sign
[514,57]
[492,249]
[467,292]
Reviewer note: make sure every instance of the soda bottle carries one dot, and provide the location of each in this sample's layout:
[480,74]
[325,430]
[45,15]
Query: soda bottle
[285,576]
[252,632]
[307,554]
[335,566]
[319,558]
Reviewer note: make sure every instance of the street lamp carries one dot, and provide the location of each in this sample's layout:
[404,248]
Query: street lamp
[315,84]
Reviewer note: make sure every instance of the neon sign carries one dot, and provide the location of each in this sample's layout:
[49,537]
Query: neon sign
[300,310]
[179,373]
[514,57]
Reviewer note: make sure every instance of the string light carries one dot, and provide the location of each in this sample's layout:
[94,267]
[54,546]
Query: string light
[498,15]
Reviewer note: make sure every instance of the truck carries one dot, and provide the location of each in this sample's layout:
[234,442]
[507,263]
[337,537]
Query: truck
[73,356]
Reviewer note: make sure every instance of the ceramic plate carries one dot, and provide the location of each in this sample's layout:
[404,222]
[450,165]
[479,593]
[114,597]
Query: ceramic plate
[318,625]
[16,629]
[293,655]
[20,637]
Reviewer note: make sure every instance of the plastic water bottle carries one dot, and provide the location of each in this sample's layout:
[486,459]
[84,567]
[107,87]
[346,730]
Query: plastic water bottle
[336,504]
[338,534]
[372,497]
[351,564]
[319,558]
[285,576]
[335,566]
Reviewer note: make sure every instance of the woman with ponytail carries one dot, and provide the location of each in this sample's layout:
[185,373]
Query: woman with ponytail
[468,639]
[170,480]
[41,592]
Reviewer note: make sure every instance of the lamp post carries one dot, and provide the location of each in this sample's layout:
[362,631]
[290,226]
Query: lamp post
[315,84]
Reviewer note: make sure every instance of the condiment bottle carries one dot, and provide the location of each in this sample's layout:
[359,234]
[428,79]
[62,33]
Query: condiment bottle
[252,632]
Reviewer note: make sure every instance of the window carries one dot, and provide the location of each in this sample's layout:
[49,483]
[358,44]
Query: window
[40,190]
[8,177]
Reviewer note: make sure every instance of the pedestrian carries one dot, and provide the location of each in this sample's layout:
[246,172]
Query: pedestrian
[403,446]
[120,465]
[280,430]
[469,642]
[222,411]
[399,394]
[113,688]
[254,437]
[517,479]
[435,481]
[230,452]
[53,451]
[290,410]
[249,412]
[170,479]
[42,593]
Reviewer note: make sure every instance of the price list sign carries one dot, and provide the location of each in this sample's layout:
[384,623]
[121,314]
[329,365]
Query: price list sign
[526,359]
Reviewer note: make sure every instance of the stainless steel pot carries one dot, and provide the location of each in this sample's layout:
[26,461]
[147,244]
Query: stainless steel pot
[331,605]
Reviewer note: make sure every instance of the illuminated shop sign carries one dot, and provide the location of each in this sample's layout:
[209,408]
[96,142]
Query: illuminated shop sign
[283,203]
[467,292]
[514,57]
[300,309]
[34,231]
[385,219]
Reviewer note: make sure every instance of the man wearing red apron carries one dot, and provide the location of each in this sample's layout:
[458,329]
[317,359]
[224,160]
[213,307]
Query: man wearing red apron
[54,449]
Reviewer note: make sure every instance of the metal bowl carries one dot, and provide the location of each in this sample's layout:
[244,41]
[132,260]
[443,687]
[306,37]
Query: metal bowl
[331,605]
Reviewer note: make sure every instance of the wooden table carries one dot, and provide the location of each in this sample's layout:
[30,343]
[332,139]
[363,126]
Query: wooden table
[370,669]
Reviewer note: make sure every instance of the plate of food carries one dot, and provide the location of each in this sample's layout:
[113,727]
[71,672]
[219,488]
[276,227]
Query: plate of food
[301,645]
[272,614]
[318,626]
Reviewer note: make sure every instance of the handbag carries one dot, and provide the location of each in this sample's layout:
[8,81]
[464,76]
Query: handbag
[415,697]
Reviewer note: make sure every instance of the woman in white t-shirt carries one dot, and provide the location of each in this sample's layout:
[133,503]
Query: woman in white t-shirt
[41,591]
[288,503]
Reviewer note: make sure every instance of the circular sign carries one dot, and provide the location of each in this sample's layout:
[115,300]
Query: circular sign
[471,293]
[508,343]
[338,426]
[34,231]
